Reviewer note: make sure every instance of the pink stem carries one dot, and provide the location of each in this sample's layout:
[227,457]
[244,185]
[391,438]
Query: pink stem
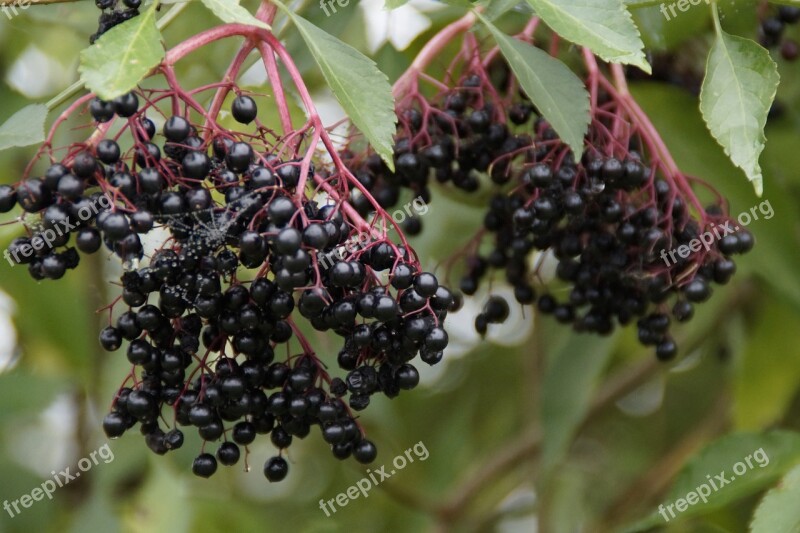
[230,77]
[277,86]
[308,102]
[651,135]
[432,50]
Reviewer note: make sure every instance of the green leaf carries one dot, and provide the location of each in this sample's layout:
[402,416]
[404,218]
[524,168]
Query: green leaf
[739,87]
[496,8]
[25,393]
[778,451]
[768,373]
[568,387]
[361,88]
[25,127]
[231,12]
[394,4]
[555,90]
[604,26]
[124,55]
[674,113]
[778,512]
[636,4]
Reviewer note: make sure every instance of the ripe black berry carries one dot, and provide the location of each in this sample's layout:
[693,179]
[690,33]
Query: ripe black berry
[276,469]
[110,339]
[8,198]
[177,129]
[365,451]
[127,104]
[204,465]
[244,109]
[228,453]
[101,111]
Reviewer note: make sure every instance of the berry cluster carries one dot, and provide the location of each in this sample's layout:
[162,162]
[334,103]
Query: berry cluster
[772,29]
[113,14]
[204,339]
[610,219]
[455,143]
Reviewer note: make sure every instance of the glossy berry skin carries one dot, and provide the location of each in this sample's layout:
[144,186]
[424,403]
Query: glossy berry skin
[276,469]
[101,111]
[114,425]
[127,104]
[196,165]
[244,109]
[228,454]
[239,156]
[108,151]
[365,452]
[176,129]
[8,198]
[204,465]
[426,284]
[496,310]
[32,195]
[110,339]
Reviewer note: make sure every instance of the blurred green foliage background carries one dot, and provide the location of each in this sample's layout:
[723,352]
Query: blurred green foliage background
[538,427]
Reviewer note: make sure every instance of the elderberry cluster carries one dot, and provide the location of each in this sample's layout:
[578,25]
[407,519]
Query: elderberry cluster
[113,14]
[608,219]
[211,349]
[455,144]
[771,31]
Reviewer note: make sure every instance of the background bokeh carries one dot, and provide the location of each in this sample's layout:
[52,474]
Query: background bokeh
[535,426]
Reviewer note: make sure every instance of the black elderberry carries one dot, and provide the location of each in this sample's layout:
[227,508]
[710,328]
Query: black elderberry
[697,290]
[239,156]
[204,465]
[108,151]
[127,104]
[101,111]
[496,310]
[228,453]
[33,196]
[196,165]
[114,425]
[289,174]
[365,452]
[281,210]
[8,198]
[407,377]
[110,339]
[84,165]
[177,129]
[276,469]
[746,241]
[173,439]
[666,350]
[244,109]
[426,284]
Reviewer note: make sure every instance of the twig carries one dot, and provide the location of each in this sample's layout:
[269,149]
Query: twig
[17,4]
[527,446]
[659,477]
